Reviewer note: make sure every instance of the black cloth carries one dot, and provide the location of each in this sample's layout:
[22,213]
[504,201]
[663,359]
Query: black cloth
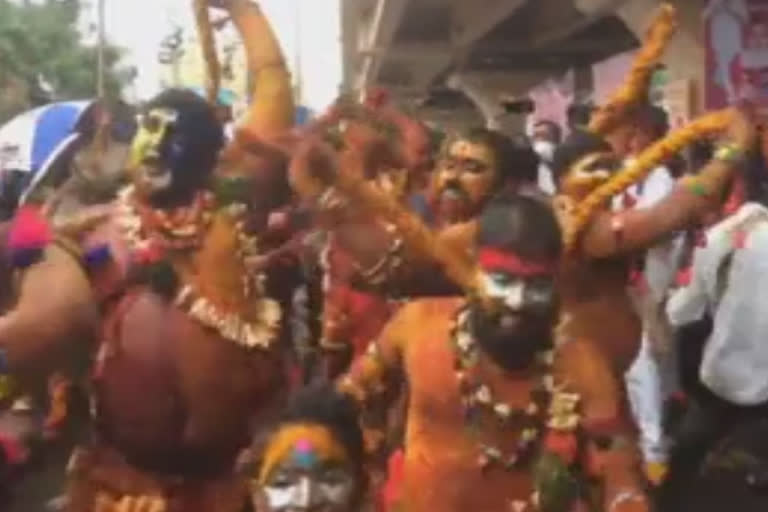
[708,420]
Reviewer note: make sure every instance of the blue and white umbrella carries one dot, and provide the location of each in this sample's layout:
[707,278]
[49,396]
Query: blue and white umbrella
[32,141]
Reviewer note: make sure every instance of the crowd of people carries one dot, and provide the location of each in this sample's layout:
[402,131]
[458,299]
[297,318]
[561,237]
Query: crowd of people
[362,314]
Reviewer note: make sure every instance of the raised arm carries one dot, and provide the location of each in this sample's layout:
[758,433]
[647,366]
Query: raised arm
[388,260]
[271,111]
[611,233]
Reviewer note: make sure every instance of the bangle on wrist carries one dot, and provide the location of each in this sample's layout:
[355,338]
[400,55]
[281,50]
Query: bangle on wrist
[695,186]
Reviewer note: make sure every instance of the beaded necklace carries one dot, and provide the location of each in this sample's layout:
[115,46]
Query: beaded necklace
[177,229]
[151,233]
[549,405]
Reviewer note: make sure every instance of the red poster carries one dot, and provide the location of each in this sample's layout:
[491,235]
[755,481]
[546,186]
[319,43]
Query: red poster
[736,36]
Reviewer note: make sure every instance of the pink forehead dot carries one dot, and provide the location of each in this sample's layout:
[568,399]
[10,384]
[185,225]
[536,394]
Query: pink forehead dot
[303,445]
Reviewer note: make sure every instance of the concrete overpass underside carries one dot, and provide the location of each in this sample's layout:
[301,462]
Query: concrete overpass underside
[455,60]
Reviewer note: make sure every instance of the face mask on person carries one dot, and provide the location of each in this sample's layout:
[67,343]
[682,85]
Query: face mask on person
[545,149]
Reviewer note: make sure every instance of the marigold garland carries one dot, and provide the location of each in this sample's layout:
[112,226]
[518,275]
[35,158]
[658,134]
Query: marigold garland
[648,160]
[635,87]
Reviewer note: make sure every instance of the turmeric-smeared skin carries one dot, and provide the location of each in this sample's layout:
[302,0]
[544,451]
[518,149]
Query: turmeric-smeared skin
[441,468]
[594,276]
[173,397]
[272,108]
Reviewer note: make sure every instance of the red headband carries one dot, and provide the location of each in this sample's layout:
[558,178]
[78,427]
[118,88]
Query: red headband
[495,259]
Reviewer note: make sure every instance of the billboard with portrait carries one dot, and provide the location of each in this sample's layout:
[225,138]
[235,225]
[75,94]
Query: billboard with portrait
[736,39]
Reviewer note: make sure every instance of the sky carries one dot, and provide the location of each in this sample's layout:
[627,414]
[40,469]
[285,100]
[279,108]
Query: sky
[140,25]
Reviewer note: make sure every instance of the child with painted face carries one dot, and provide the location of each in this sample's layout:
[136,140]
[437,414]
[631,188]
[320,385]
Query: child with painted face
[313,461]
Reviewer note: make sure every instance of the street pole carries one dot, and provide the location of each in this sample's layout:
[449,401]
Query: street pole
[100,87]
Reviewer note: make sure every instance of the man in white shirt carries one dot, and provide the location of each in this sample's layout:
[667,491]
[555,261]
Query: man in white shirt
[728,281]
[547,135]
[651,380]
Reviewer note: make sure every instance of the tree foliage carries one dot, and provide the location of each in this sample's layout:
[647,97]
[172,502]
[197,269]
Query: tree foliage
[42,56]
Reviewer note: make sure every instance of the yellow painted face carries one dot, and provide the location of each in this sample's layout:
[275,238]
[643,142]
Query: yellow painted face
[153,129]
[463,180]
[151,173]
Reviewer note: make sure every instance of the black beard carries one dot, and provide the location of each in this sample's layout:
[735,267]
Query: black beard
[181,191]
[513,351]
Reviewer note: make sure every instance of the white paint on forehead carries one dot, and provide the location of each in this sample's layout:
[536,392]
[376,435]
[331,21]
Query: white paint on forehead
[511,294]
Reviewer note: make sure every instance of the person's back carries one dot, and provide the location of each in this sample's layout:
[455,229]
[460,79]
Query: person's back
[736,354]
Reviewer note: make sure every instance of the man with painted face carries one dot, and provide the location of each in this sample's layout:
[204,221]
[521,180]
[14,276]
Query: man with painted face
[187,359]
[471,169]
[172,269]
[175,149]
[498,418]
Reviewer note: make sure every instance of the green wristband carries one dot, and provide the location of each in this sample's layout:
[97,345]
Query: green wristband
[698,189]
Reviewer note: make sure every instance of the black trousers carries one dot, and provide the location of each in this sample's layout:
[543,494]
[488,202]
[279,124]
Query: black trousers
[708,420]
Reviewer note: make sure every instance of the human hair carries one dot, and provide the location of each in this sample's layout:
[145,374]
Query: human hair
[577,145]
[321,404]
[195,141]
[521,224]
[654,119]
[555,132]
[578,115]
[515,158]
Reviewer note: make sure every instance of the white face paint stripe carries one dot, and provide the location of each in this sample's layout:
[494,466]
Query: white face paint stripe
[279,498]
[510,294]
[306,492]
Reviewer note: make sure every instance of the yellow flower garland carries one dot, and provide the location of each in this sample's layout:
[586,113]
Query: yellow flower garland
[649,159]
[635,88]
